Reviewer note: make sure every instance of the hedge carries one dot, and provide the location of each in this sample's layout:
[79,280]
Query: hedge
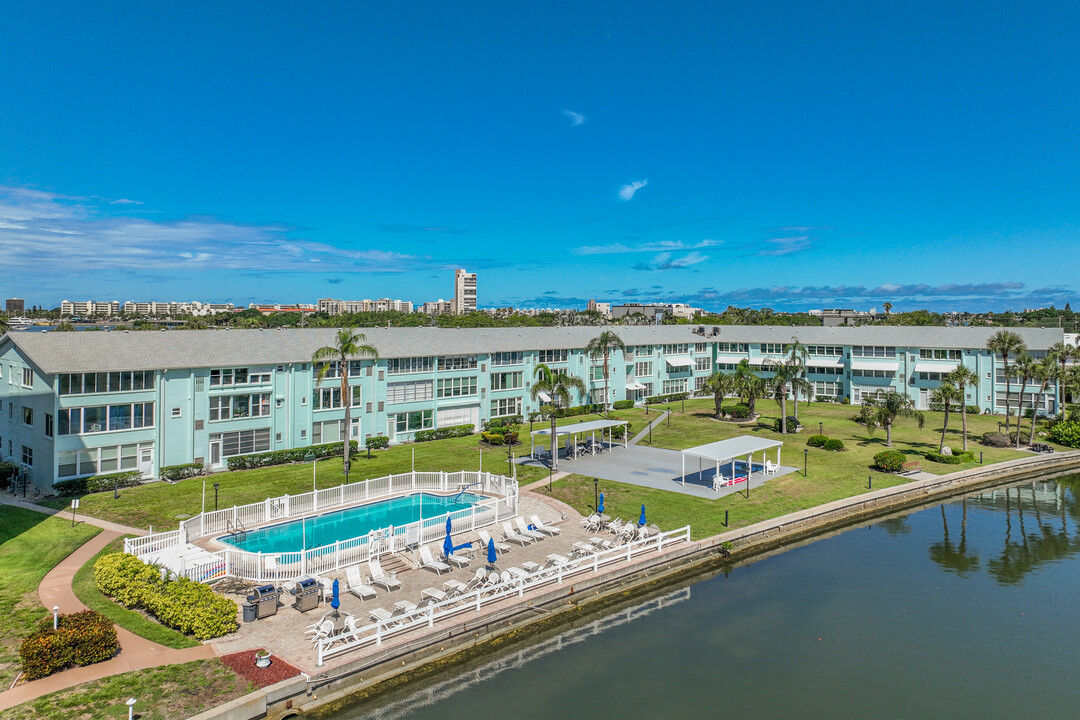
[659,399]
[98,483]
[377,442]
[622,405]
[281,457]
[954,459]
[491,437]
[82,638]
[817,440]
[502,422]
[452,431]
[834,444]
[793,425]
[7,473]
[561,412]
[739,411]
[1066,433]
[971,409]
[175,473]
[185,605]
[890,461]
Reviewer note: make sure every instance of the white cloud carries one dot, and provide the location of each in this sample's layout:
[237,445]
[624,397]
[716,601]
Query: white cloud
[626,192]
[125,201]
[786,245]
[659,246]
[575,118]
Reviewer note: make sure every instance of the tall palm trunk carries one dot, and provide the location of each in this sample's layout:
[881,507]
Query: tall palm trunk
[796,394]
[1020,411]
[944,427]
[1008,390]
[607,393]
[346,400]
[783,411]
[554,440]
[888,432]
[963,415]
[1031,435]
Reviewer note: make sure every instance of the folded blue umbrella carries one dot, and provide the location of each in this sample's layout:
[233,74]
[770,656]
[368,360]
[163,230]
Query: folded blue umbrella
[491,551]
[600,510]
[335,601]
[641,520]
[449,525]
[448,546]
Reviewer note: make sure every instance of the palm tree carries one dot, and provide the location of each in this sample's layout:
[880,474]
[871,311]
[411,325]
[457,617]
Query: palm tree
[557,387]
[349,344]
[778,386]
[719,384]
[963,376]
[884,411]
[601,346]
[1045,371]
[748,384]
[797,356]
[1005,343]
[800,384]
[947,394]
[1025,368]
[4,325]
[1063,353]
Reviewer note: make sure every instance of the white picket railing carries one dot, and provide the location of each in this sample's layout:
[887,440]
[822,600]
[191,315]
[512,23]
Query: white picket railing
[234,562]
[375,633]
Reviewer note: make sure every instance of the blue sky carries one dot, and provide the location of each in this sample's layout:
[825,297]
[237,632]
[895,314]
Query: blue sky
[792,155]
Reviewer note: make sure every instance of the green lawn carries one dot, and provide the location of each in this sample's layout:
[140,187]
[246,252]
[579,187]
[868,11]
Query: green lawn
[31,544]
[172,692]
[86,590]
[831,476]
[161,504]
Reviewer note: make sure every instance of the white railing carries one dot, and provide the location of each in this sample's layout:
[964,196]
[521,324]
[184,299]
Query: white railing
[234,562]
[376,632]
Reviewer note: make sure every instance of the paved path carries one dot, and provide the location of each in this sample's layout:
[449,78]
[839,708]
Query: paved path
[136,653]
[6,499]
[641,435]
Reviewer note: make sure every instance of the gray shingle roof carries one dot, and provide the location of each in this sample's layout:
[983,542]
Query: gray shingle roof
[157,350]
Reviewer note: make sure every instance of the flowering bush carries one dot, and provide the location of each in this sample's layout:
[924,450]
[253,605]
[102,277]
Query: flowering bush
[81,638]
[1066,433]
[890,461]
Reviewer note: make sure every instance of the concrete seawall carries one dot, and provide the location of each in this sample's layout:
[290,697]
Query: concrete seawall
[562,605]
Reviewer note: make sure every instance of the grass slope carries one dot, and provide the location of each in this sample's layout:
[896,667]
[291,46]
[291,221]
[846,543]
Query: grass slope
[31,544]
[86,590]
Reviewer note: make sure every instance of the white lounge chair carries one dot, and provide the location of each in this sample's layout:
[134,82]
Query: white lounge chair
[485,538]
[458,559]
[355,584]
[379,576]
[548,529]
[523,528]
[428,562]
[512,536]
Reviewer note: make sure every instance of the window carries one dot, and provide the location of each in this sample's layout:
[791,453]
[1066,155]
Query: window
[699,382]
[200,384]
[505,406]
[330,398]
[676,349]
[27,378]
[939,354]
[825,370]
[402,366]
[701,347]
[329,431]
[457,362]
[91,461]
[730,347]
[772,348]
[48,425]
[863,392]
[243,442]
[409,391]
[105,418]
[872,373]
[931,376]
[675,386]
[27,455]
[456,387]
[239,376]
[702,364]
[553,356]
[596,373]
[28,416]
[176,412]
[823,389]
[507,381]
[643,368]
[331,372]
[826,350]
[412,421]
[508,358]
[125,381]
[873,351]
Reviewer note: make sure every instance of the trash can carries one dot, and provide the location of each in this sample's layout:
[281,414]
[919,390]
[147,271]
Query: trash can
[249,612]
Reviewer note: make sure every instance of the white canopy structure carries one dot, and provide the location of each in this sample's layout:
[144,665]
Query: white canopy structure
[723,451]
[583,428]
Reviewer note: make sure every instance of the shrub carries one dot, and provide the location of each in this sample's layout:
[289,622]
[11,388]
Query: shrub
[973,410]
[502,422]
[817,440]
[660,399]
[845,400]
[81,638]
[67,488]
[281,457]
[183,604]
[793,425]
[945,459]
[101,483]
[377,442]
[7,474]
[175,473]
[443,433]
[622,405]
[739,411]
[996,439]
[1066,433]
[834,444]
[890,461]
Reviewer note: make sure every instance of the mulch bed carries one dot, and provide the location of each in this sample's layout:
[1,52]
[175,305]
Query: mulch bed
[243,663]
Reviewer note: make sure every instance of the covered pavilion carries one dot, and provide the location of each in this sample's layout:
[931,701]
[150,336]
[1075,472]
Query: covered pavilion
[584,428]
[731,450]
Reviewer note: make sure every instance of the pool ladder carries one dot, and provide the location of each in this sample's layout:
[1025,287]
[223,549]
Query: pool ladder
[236,529]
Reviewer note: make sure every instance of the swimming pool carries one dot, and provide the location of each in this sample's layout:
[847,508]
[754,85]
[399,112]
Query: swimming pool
[351,523]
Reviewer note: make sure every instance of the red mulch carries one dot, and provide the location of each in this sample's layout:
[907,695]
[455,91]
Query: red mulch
[243,663]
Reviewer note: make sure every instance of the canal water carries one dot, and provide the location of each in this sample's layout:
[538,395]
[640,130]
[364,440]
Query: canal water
[969,609]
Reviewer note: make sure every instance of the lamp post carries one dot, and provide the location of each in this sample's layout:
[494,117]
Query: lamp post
[821,428]
[596,493]
[216,486]
[310,457]
[805,455]
[131,708]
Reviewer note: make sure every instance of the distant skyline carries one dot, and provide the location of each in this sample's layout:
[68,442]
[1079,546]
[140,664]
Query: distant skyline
[781,154]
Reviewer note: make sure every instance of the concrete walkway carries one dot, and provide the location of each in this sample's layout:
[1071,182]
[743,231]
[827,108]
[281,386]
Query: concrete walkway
[641,435]
[136,653]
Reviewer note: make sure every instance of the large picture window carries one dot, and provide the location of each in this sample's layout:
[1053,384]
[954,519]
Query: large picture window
[507,381]
[92,461]
[402,366]
[457,362]
[508,358]
[105,418]
[232,407]
[402,392]
[412,421]
[456,387]
[553,356]
[330,398]
[86,383]
[243,442]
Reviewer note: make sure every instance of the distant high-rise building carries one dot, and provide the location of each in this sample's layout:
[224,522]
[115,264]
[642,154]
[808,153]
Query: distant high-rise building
[464,292]
[15,305]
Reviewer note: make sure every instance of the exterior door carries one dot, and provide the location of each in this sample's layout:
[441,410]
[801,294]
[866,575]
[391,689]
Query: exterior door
[924,398]
[146,461]
[215,453]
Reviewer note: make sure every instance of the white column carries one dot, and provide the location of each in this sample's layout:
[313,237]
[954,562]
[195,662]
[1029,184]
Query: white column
[683,459]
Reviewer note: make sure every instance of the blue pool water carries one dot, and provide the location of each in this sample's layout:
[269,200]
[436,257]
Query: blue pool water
[346,524]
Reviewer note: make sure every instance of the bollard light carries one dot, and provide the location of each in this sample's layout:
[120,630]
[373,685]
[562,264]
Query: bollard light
[55,617]
[131,708]
[806,454]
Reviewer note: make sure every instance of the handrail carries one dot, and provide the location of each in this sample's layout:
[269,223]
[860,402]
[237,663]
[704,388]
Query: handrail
[376,632]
